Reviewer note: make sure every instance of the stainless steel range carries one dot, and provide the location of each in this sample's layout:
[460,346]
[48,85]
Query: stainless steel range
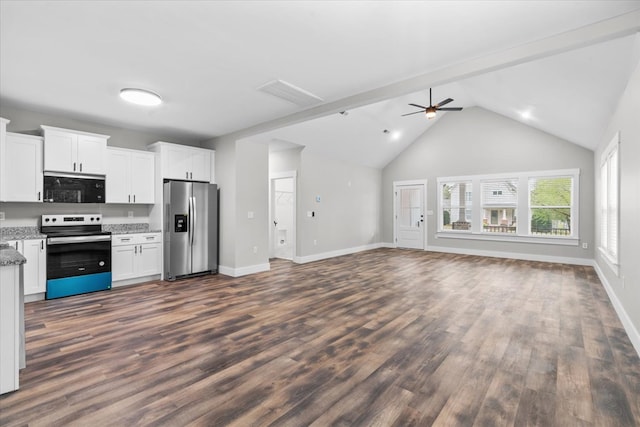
[78,254]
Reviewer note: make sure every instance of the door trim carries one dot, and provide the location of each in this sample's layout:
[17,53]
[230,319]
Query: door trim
[280,175]
[397,184]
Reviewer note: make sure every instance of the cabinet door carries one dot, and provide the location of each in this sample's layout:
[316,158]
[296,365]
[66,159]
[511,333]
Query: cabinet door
[150,259]
[60,151]
[143,174]
[35,274]
[91,154]
[178,162]
[200,165]
[22,174]
[123,259]
[118,178]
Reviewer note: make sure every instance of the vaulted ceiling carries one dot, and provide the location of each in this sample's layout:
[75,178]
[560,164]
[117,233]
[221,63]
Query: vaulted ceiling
[563,63]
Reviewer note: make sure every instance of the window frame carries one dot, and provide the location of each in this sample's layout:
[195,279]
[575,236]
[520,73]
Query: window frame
[468,204]
[523,225]
[604,247]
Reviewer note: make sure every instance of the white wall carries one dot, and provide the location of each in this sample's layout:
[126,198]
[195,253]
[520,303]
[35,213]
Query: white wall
[624,288]
[476,141]
[348,213]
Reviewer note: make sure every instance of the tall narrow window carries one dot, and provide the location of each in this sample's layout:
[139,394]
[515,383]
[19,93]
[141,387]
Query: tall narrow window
[456,205]
[550,201]
[499,203]
[609,201]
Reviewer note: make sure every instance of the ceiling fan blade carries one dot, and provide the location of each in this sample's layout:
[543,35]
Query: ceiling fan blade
[441,103]
[416,112]
[450,109]
[419,106]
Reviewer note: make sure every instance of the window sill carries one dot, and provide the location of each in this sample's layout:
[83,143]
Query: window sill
[504,237]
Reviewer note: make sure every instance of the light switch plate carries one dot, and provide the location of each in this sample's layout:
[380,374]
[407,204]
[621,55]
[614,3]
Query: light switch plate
[250,215]
[1,216]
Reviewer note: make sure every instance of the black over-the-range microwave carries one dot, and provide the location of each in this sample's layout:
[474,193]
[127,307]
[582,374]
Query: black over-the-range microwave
[68,188]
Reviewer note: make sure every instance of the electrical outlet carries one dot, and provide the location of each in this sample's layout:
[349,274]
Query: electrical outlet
[1,216]
[130,214]
[315,242]
[255,249]
[585,245]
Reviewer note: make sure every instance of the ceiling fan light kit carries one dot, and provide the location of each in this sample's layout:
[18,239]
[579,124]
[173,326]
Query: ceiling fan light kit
[430,111]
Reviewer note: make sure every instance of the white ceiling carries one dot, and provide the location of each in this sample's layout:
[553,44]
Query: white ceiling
[208,58]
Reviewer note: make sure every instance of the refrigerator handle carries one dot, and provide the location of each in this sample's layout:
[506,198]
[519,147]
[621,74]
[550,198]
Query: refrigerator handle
[192,212]
[195,219]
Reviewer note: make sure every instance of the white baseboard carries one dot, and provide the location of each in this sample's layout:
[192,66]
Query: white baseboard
[243,271]
[513,255]
[629,327]
[339,252]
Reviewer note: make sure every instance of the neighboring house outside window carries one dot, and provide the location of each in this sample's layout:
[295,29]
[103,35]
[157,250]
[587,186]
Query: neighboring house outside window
[499,203]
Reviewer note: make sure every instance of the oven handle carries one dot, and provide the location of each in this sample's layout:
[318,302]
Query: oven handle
[77,239]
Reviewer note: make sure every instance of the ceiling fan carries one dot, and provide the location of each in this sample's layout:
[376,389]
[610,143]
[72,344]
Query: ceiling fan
[431,109]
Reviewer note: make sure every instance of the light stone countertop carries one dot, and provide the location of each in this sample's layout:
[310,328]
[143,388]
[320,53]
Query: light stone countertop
[9,256]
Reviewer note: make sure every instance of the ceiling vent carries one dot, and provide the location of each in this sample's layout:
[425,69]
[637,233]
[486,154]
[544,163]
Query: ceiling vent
[290,93]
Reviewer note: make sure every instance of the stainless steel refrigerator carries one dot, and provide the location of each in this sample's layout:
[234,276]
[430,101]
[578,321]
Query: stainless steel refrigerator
[191,229]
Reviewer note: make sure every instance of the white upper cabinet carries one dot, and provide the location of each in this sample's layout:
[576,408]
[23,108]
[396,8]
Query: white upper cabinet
[185,162]
[74,151]
[21,168]
[130,176]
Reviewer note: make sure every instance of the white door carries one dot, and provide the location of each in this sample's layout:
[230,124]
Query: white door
[409,215]
[283,216]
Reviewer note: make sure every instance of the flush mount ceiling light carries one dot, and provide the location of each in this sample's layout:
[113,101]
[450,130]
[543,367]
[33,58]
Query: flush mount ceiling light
[140,96]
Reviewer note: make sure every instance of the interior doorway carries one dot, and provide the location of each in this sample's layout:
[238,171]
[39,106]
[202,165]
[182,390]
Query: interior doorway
[282,200]
[409,222]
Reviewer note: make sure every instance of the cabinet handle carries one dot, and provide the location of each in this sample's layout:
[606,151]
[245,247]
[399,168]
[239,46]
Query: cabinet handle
[74,166]
[135,249]
[16,246]
[129,200]
[41,245]
[191,173]
[80,167]
[125,239]
[38,196]
[187,175]
[134,198]
[140,249]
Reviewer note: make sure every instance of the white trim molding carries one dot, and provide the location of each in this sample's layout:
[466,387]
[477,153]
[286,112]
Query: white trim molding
[244,271]
[630,329]
[337,253]
[513,255]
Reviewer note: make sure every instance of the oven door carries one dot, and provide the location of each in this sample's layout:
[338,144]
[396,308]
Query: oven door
[77,265]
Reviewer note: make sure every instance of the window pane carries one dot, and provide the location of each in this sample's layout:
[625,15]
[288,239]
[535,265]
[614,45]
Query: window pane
[550,205]
[551,221]
[410,207]
[456,205]
[499,202]
[604,204]
[550,191]
[612,216]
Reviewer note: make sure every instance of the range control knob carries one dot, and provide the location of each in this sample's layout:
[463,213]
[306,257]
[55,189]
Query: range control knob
[46,220]
[54,219]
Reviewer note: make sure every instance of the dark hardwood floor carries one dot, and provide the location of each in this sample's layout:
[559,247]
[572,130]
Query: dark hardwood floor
[385,337]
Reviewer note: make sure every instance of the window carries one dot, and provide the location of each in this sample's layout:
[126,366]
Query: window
[456,205]
[609,201]
[550,205]
[530,207]
[499,204]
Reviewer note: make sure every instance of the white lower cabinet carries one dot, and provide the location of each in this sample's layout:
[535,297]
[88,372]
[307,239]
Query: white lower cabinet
[35,269]
[135,255]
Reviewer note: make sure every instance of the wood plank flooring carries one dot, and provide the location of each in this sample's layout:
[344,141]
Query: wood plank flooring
[381,338]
